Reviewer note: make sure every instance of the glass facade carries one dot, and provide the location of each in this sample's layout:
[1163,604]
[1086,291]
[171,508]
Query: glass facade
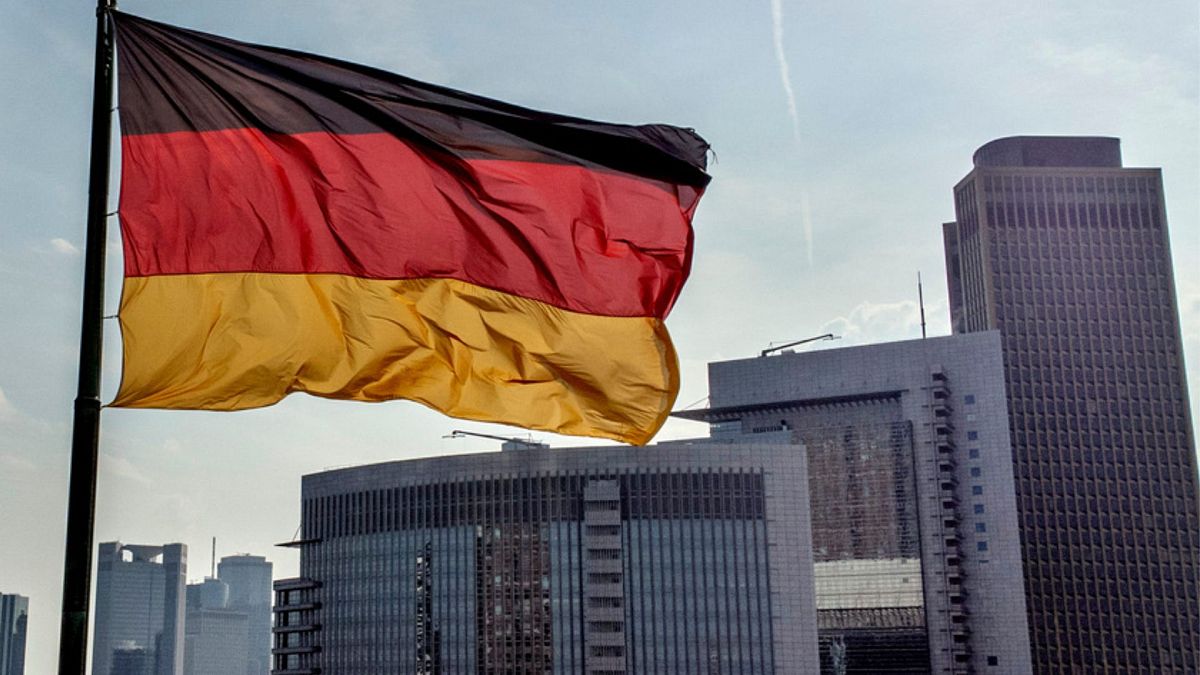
[1070,260]
[865,533]
[140,607]
[535,573]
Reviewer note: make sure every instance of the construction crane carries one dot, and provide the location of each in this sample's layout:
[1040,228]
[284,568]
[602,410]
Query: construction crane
[510,443]
[771,348]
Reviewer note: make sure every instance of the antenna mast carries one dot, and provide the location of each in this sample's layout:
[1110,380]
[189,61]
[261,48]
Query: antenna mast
[921,302]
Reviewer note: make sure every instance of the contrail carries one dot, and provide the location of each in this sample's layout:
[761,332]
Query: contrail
[786,78]
[777,24]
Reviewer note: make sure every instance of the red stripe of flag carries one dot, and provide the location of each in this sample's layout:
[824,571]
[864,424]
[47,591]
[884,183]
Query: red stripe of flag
[368,205]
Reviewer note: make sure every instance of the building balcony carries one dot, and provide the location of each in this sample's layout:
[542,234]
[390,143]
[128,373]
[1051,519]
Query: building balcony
[296,607]
[301,628]
[288,651]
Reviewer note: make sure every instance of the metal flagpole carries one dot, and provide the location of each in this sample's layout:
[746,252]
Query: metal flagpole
[81,499]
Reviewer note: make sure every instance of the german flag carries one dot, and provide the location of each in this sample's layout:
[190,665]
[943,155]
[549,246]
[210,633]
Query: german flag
[292,222]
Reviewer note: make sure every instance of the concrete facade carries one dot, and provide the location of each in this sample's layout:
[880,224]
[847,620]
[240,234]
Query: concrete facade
[910,472]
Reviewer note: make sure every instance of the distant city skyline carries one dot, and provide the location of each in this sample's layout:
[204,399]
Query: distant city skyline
[817,221]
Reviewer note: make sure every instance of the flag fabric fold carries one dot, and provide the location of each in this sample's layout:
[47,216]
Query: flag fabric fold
[292,223]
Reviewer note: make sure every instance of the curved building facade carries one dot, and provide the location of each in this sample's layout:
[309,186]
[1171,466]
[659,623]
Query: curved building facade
[671,559]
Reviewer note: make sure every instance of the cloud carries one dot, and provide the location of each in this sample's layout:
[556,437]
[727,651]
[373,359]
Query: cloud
[7,411]
[870,322]
[63,246]
[12,463]
[784,71]
[121,467]
[21,437]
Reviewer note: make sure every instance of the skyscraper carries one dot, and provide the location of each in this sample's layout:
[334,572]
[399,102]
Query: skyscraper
[249,579]
[14,622]
[139,608]
[215,635]
[1066,252]
[914,527]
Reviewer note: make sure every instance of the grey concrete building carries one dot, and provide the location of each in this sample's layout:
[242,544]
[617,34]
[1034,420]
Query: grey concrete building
[14,627]
[249,579]
[598,560]
[914,528]
[140,603]
[215,635]
[1065,251]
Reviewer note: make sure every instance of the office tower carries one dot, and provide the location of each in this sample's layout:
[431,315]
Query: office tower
[14,625]
[249,579]
[603,560]
[1066,252]
[215,635]
[914,531]
[139,609]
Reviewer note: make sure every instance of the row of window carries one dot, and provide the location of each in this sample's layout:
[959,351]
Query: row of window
[1115,184]
[693,494]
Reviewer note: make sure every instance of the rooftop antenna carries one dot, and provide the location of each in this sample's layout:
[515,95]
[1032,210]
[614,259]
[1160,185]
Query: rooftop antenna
[772,348]
[921,302]
[509,442]
[212,570]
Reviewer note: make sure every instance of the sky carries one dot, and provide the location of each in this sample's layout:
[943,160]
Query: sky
[838,130]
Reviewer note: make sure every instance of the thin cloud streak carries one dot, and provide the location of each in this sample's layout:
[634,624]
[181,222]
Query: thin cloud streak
[784,72]
[63,246]
[786,78]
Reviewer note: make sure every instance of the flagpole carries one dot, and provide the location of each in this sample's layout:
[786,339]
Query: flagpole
[81,498]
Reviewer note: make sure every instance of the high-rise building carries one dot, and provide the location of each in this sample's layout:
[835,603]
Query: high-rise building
[601,560]
[14,626]
[249,579]
[139,609]
[215,636]
[914,529]
[1066,253]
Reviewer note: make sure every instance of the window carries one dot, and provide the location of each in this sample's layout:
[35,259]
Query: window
[979,508]
[976,489]
[972,435]
[973,453]
[969,399]
[981,546]
[981,527]
[976,472]
[993,660]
